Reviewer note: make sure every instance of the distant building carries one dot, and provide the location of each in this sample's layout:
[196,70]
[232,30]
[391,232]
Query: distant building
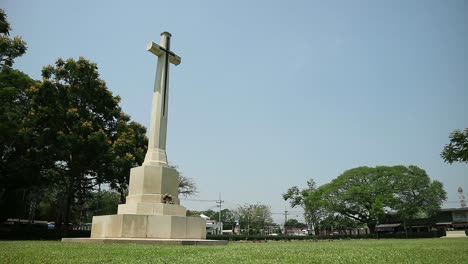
[456,218]
[212,226]
[446,219]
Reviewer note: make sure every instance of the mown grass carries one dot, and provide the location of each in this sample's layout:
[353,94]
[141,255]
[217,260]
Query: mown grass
[447,250]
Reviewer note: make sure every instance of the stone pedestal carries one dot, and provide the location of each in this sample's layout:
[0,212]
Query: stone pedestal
[152,209]
[455,233]
[148,226]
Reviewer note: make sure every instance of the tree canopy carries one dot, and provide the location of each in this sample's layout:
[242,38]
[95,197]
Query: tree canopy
[253,218]
[19,164]
[78,124]
[457,149]
[294,223]
[367,194]
[310,200]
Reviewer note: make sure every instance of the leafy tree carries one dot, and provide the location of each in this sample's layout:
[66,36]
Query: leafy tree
[415,193]
[457,149]
[19,163]
[75,119]
[128,151]
[97,202]
[334,222]
[9,48]
[228,218]
[294,223]
[310,200]
[100,203]
[360,193]
[365,194]
[20,166]
[253,218]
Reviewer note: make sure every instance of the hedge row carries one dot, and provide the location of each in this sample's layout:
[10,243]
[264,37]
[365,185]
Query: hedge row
[322,237]
[34,232]
[31,232]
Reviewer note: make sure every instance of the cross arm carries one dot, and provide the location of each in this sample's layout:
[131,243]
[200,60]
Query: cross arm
[158,51]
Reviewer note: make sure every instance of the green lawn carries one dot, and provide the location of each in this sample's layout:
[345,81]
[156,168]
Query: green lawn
[436,250]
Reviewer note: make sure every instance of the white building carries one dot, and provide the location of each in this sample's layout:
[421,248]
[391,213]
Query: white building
[212,226]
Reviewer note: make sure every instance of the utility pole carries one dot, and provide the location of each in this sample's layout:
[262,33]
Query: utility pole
[220,202]
[285,218]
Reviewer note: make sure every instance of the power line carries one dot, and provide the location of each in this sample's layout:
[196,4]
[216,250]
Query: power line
[218,202]
[198,200]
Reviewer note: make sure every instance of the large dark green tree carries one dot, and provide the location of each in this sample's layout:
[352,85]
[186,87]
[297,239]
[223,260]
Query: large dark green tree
[457,149]
[100,203]
[128,150]
[366,194]
[415,194]
[20,164]
[75,120]
[360,193]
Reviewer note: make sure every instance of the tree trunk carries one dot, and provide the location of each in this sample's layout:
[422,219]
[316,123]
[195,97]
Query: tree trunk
[406,230]
[69,195]
[371,227]
[316,231]
[59,213]
[66,213]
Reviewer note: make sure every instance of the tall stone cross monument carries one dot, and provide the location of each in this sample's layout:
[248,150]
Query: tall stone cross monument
[156,154]
[152,209]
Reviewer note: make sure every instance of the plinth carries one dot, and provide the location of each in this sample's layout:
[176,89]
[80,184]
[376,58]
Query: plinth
[151,215]
[152,209]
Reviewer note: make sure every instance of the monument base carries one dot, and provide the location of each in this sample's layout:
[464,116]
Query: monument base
[455,233]
[148,226]
[147,241]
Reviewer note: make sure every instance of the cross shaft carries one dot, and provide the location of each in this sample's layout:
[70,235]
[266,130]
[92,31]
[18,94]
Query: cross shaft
[158,125]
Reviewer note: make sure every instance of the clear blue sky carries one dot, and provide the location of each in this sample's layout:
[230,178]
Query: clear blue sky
[272,93]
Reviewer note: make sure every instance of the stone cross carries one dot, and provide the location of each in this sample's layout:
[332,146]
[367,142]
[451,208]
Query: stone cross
[156,154]
[152,212]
